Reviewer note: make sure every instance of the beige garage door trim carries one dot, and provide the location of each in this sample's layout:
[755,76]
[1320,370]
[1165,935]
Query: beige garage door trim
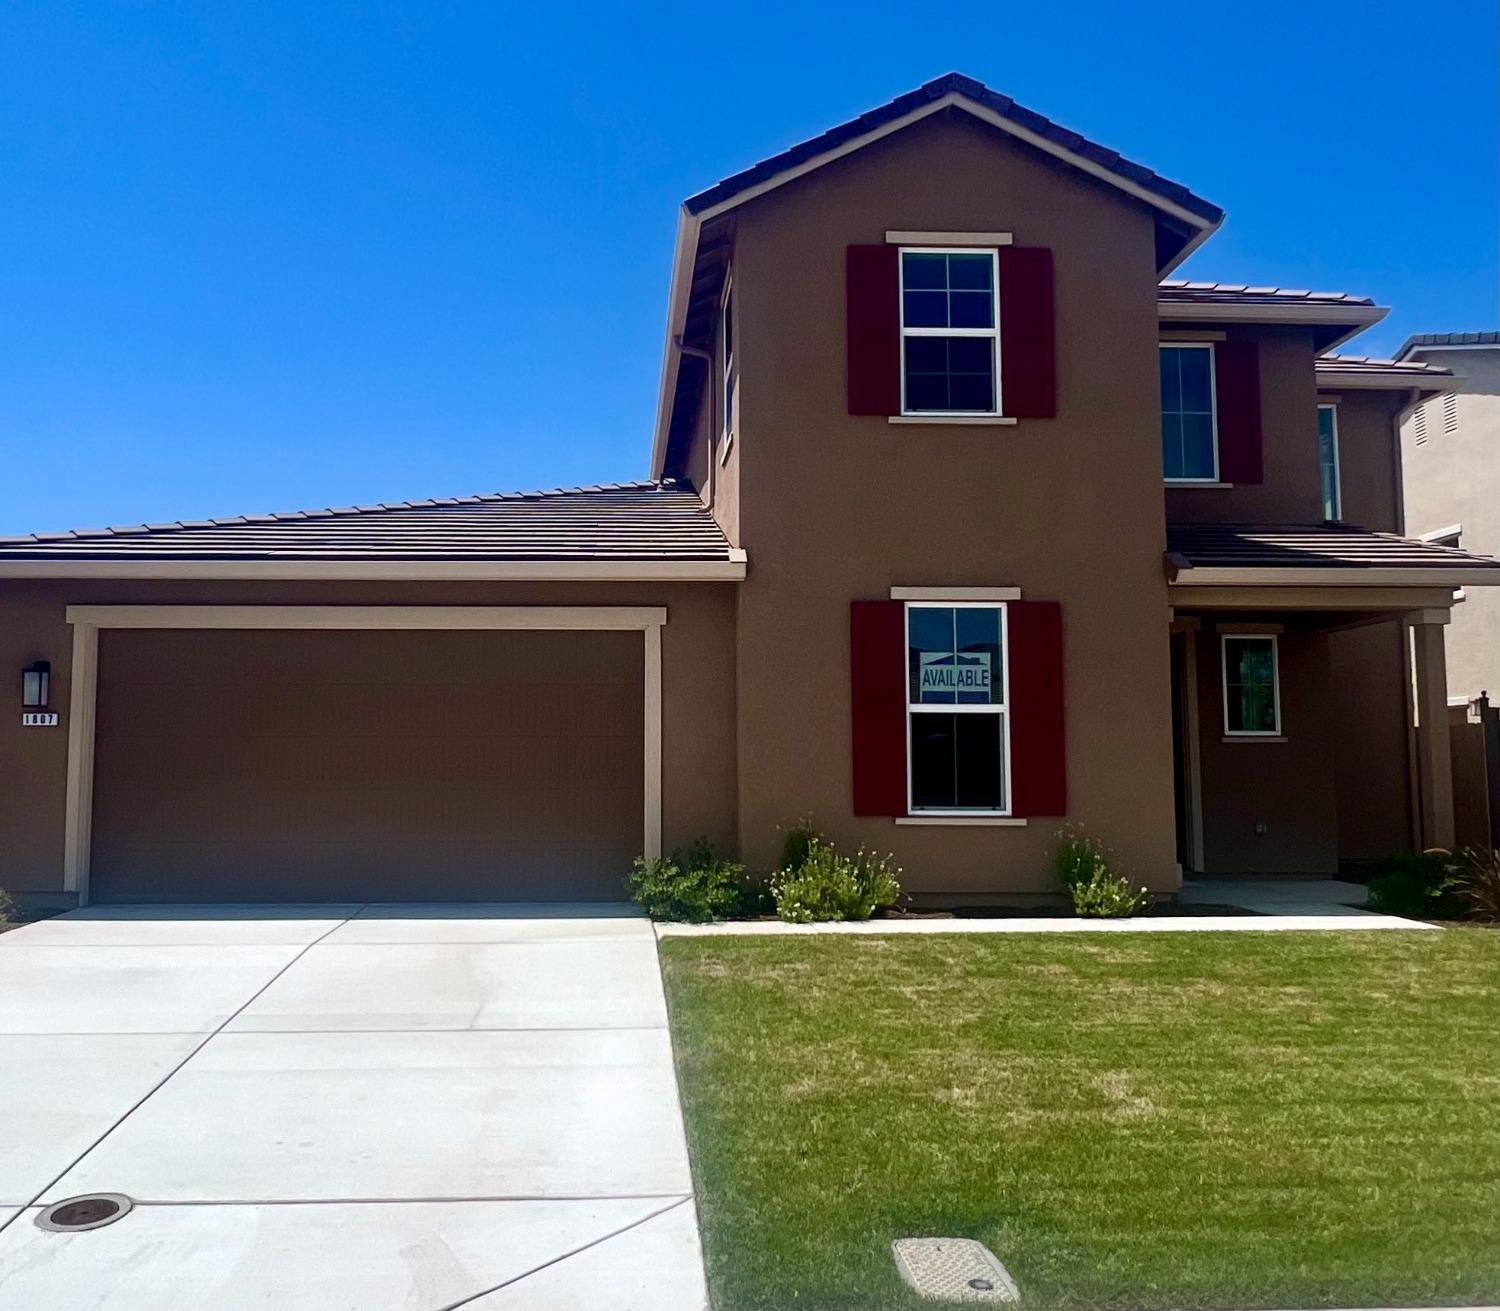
[87,620]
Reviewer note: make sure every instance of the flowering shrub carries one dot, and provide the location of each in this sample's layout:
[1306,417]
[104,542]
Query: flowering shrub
[829,886]
[1097,890]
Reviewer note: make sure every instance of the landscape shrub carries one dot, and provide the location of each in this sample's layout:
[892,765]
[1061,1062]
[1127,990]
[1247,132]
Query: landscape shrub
[7,908]
[1476,883]
[796,842]
[1096,888]
[827,885]
[1416,886]
[691,886]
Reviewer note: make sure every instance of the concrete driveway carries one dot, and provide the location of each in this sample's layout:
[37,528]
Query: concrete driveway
[359,1107]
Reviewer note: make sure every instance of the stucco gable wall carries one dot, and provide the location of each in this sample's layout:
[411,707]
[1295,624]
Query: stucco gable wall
[835,507]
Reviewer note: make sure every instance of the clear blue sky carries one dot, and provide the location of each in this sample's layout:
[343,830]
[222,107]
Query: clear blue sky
[262,256]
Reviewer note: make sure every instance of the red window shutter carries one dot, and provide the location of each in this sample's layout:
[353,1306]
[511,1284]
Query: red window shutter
[1237,388]
[1028,337]
[1038,748]
[874,315]
[877,683]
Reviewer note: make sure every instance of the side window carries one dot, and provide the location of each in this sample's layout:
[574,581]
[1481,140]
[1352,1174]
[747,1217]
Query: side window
[1328,462]
[950,334]
[958,730]
[1189,421]
[1252,689]
[728,375]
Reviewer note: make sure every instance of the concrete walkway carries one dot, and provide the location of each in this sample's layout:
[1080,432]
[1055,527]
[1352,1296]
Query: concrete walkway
[363,1107]
[1276,905]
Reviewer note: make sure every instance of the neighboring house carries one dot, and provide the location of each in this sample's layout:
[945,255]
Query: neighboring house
[1450,473]
[963,526]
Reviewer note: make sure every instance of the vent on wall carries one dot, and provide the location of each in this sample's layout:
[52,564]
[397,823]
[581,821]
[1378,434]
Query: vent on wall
[1450,413]
[1419,424]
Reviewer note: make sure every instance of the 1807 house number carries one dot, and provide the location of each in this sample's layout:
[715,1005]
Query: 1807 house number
[39,719]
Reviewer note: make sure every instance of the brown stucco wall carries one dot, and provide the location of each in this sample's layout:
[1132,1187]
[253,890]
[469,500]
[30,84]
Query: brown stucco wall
[1368,715]
[1290,491]
[1370,736]
[1289,786]
[1369,458]
[698,685]
[837,507]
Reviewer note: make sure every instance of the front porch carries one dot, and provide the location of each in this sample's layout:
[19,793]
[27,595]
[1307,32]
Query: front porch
[1311,728]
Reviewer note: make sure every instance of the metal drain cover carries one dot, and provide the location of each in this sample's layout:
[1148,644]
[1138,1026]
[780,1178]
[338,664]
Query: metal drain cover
[93,1211]
[954,1270]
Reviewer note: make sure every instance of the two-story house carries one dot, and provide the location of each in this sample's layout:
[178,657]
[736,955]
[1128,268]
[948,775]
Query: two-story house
[963,525]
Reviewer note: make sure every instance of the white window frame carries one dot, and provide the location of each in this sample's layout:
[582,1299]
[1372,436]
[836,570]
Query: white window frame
[1213,409]
[726,364]
[1002,709]
[1224,640]
[1338,477]
[993,333]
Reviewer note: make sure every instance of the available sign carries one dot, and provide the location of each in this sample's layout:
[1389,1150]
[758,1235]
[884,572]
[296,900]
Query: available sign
[967,672]
[39,719]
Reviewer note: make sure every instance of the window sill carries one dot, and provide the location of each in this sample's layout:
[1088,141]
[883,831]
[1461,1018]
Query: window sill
[963,821]
[966,420]
[1253,737]
[1194,482]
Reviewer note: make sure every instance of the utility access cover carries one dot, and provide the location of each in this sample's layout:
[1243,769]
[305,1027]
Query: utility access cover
[954,1270]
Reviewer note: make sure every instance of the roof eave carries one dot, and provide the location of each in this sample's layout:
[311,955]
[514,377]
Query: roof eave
[1180,574]
[731,569]
[1368,380]
[684,256]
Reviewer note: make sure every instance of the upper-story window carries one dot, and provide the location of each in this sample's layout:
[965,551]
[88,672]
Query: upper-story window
[1328,462]
[727,372]
[1189,424]
[950,342]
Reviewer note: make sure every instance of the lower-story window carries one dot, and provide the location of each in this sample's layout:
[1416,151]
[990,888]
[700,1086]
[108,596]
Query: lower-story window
[958,728]
[1252,687]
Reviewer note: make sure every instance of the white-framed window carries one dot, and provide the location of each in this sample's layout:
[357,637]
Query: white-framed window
[950,331]
[1252,685]
[1189,413]
[958,708]
[1328,462]
[728,373]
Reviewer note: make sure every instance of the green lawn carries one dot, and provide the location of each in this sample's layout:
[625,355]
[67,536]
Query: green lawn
[1134,1120]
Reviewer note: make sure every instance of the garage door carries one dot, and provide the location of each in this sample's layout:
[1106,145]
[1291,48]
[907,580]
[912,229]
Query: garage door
[256,765]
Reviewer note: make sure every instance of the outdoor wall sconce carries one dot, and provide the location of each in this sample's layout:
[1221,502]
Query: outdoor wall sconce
[36,685]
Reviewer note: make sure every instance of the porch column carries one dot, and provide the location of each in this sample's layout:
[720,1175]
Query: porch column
[1434,765]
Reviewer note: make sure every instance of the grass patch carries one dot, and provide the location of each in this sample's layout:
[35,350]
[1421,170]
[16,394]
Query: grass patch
[1135,1120]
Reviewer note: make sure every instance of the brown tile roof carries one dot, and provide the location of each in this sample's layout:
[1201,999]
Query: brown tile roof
[1302,546]
[950,84]
[1178,291]
[1437,340]
[1366,364]
[623,521]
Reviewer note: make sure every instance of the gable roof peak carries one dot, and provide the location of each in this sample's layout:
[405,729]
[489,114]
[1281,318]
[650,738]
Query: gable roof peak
[1174,199]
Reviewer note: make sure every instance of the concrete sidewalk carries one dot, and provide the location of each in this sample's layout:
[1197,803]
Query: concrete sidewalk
[1275,905]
